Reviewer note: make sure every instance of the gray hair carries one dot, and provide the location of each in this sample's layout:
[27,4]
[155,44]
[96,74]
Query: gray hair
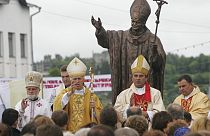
[82,132]
[126,131]
[176,111]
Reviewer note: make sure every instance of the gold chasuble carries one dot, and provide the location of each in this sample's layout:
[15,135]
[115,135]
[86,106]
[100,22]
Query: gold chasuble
[78,109]
[198,104]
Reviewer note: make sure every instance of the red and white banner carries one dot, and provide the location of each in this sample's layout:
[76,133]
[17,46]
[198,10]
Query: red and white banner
[101,82]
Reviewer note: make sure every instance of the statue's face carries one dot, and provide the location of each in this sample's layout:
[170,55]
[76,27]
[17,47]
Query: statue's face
[136,23]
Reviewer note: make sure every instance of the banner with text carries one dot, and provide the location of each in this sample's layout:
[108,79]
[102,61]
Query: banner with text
[101,82]
[13,89]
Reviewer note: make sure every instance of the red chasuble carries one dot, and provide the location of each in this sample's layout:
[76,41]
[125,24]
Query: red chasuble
[143,100]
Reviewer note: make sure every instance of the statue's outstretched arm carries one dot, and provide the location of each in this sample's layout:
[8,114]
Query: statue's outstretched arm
[96,24]
[100,33]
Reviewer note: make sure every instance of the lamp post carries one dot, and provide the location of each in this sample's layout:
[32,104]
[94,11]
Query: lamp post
[31,18]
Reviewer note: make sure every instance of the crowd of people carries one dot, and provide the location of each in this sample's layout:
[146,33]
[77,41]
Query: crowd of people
[77,111]
[137,62]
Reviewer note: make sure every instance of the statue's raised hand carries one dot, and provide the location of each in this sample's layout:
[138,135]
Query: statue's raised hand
[95,23]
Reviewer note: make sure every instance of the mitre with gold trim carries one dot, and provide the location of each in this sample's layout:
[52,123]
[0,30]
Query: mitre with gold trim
[140,65]
[76,68]
[33,78]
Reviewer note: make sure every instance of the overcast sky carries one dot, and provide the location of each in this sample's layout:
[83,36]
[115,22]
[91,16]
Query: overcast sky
[64,27]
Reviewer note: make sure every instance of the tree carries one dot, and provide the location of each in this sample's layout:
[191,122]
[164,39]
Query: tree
[54,72]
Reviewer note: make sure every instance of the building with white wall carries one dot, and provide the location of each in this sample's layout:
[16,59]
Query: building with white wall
[16,52]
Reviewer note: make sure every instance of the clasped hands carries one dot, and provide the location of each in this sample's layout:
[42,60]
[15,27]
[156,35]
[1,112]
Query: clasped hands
[134,107]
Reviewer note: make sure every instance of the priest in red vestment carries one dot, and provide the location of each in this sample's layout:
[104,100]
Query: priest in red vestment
[140,94]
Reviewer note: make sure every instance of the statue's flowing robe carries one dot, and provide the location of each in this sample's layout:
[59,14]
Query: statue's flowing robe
[124,48]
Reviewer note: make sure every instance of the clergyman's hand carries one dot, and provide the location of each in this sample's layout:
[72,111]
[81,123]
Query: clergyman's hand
[95,23]
[71,91]
[154,48]
[92,104]
[24,104]
[132,100]
[145,114]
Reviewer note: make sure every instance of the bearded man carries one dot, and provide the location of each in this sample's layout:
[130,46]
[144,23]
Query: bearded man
[32,105]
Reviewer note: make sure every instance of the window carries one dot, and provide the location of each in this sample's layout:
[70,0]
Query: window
[11,45]
[23,45]
[1,44]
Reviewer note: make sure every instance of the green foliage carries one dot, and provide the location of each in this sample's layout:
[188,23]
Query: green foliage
[53,65]
[105,98]
[54,72]
[103,68]
[197,67]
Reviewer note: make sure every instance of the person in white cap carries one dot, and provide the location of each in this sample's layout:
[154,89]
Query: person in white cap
[77,100]
[32,105]
[140,94]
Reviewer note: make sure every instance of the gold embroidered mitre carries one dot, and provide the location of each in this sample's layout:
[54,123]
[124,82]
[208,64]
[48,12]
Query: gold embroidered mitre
[140,65]
[33,78]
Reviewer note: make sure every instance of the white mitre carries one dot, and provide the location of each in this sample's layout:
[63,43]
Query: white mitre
[76,68]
